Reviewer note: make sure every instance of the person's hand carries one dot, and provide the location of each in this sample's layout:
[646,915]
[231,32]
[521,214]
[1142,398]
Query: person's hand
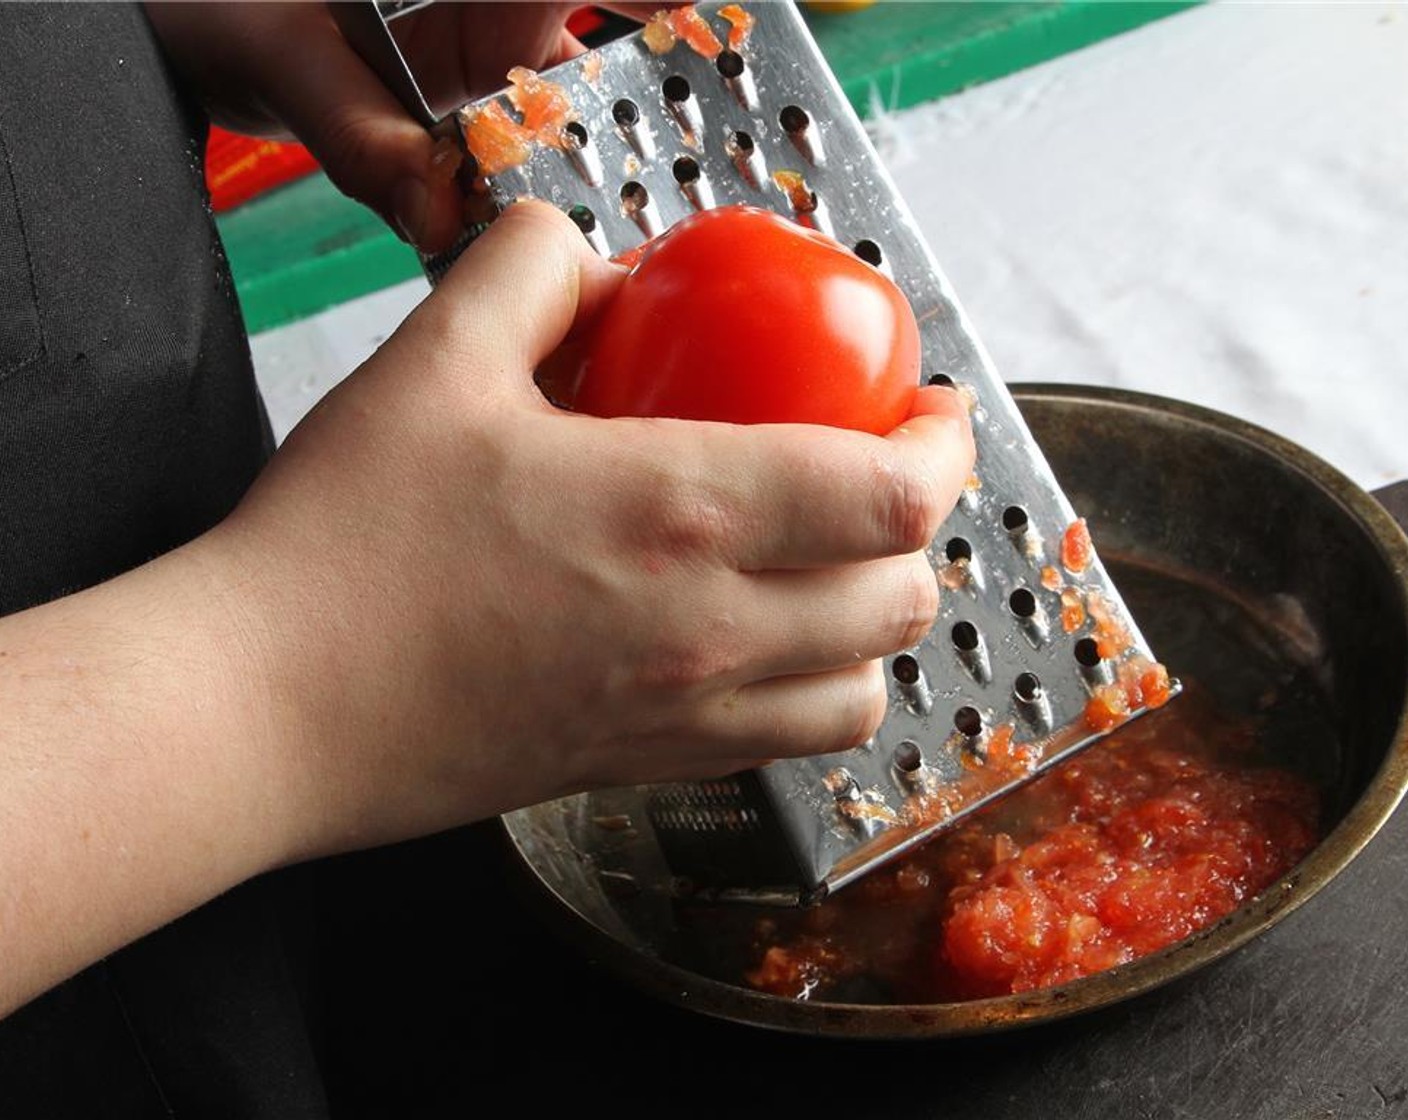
[445,598]
[284,69]
[473,600]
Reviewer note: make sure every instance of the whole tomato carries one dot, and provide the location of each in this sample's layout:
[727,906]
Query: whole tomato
[739,314]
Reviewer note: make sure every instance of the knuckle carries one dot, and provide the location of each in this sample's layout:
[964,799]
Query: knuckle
[686,666]
[917,603]
[909,506]
[857,712]
[349,140]
[686,522]
[868,707]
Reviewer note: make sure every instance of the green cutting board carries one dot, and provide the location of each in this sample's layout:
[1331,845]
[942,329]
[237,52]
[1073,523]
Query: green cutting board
[304,248]
[899,54]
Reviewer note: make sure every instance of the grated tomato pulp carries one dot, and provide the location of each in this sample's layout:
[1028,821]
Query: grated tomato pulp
[1167,826]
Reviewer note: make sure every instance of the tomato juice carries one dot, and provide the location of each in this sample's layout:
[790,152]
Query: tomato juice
[1149,836]
[1174,821]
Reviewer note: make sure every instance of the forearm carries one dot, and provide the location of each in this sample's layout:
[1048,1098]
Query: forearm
[140,773]
[445,598]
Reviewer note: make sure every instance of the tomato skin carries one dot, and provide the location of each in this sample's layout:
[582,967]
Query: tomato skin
[738,314]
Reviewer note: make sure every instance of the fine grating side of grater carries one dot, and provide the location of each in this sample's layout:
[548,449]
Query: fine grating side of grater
[1029,660]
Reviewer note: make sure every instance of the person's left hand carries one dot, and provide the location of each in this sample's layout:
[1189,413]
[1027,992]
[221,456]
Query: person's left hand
[285,69]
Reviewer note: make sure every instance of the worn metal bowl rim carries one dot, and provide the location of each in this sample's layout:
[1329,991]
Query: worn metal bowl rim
[1382,795]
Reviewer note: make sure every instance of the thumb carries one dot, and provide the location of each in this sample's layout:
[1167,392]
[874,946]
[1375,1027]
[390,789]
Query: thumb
[526,284]
[364,139]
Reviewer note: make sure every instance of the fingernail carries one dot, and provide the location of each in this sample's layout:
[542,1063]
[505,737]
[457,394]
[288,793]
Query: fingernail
[408,205]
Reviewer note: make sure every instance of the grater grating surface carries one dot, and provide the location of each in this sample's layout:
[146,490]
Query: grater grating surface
[998,690]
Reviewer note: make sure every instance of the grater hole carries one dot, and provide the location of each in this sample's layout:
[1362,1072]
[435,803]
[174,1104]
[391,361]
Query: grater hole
[906,669]
[634,197]
[794,120]
[1022,602]
[576,134]
[625,113]
[908,757]
[968,721]
[869,252]
[941,379]
[1014,519]
[1027,687]
[1087,652]
[742,144]
[583,217]
[730,64]
[958,549]
[965,636]
[685,171]
[675,88]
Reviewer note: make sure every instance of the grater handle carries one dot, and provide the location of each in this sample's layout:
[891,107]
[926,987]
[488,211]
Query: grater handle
[366,31]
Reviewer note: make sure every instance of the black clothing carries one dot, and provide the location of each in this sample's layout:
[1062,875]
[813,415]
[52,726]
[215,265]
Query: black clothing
[129,420]
[129,423]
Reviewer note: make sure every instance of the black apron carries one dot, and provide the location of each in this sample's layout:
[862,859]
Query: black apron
[129,423]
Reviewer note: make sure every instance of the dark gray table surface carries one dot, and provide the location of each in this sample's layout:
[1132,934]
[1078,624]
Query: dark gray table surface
[457,989]
[460,989]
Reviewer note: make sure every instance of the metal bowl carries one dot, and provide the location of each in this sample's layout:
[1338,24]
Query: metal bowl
[1247,561]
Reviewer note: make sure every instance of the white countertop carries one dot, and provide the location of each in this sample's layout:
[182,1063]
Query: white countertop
[1213,207]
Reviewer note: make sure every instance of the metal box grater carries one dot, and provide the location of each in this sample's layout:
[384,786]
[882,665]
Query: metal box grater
[1025,650]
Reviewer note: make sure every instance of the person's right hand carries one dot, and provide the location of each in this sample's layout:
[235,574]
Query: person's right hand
[445,598]
[466,600]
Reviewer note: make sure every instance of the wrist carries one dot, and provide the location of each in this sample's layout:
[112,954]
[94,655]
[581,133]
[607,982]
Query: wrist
[139,776]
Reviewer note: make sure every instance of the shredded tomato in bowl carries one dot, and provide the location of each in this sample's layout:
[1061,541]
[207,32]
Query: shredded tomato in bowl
[1167,826]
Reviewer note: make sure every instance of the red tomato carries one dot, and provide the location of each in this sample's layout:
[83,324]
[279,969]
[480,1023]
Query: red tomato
[739,314]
